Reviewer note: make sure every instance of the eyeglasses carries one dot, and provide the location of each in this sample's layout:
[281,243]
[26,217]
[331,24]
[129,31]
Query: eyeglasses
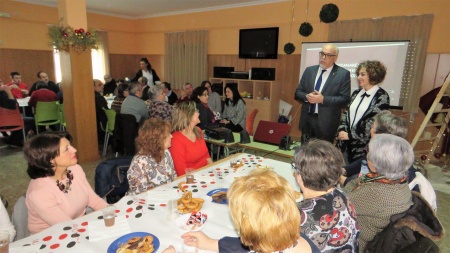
[327,56]
[294,166]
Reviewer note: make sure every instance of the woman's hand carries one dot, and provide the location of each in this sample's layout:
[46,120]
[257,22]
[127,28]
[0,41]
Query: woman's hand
[343,136]
[224,121]
[201,241]
[170,249]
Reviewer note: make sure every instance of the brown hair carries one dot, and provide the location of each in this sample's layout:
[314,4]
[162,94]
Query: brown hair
[320,165]
[152,135]
[375,70]
[182,116]
[39,152]
[263,210]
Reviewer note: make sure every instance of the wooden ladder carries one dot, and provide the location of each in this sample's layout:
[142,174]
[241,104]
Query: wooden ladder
[435,140]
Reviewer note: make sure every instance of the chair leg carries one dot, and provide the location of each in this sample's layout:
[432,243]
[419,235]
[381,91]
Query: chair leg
[105,143]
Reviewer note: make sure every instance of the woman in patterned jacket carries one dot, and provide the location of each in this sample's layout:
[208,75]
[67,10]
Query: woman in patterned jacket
[365,103]
[152,165]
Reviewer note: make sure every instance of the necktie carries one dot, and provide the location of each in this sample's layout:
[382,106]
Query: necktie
[312,108]
[356,111]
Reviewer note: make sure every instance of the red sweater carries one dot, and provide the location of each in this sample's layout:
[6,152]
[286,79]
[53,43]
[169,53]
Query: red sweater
[42,95]
[188,154]
[17,93]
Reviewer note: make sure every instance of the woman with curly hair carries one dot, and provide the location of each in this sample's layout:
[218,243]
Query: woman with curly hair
[365,103]
[152,165]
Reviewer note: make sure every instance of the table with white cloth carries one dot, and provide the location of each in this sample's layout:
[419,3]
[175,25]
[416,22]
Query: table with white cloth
[148,213]
[109,100]
[23,102]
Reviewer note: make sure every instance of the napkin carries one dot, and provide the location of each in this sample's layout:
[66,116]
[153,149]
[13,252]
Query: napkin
[25,249]
[98,230]
[161,196]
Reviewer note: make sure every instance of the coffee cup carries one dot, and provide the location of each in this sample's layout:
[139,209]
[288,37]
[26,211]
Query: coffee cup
[190,176]
[109,215]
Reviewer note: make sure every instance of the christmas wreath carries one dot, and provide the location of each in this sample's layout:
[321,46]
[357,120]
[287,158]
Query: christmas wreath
[65,37]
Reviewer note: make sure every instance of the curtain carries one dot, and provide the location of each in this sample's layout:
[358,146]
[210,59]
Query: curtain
[416,29]
[100,57]
[186,58]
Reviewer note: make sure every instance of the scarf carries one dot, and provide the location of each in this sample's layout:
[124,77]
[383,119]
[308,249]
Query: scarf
[207,107]
[375,177]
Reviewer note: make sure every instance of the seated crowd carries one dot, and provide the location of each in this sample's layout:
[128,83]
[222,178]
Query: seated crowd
[356,207]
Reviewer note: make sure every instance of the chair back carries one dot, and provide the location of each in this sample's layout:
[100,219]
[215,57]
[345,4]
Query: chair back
[47,113]
[10,120]
[111,115]
[125,131]
[250,120]
[62,116]
[19,218]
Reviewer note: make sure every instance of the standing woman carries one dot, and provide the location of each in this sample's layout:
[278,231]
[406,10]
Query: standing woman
[234,114]
[188,143]
[152,165]
[146,71]
[200,97]
[365,103]
[58,190]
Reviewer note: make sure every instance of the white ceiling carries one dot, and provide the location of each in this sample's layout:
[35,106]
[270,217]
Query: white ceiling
[134,9]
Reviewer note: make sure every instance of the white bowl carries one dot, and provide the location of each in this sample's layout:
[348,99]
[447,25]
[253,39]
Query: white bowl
[181,226]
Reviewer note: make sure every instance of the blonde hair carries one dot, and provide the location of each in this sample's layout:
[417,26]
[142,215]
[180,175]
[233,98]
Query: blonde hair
[263,209]
[182,116]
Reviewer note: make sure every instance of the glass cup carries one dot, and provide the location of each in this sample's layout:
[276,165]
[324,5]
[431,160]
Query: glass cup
[233,161]
[188,249]
[109,215]
[4,242]
[172,210]
[190,176]
[219,177]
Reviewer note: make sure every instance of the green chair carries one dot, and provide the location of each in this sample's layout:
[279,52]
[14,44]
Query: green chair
[109,129]
[47,113]
[62,116]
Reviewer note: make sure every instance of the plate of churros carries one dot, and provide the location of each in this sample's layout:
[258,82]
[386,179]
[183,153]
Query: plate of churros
[135,242]
[219,195]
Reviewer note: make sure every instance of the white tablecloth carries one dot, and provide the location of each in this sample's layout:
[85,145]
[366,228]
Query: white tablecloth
[72,236]
[23,101]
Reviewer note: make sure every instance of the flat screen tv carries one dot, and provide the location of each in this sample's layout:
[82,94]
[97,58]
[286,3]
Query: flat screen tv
[259,43]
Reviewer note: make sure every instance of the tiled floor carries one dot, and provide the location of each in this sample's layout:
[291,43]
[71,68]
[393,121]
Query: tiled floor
[14,182]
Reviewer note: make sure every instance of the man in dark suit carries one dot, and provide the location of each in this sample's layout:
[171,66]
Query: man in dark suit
[323,90]
[171,96]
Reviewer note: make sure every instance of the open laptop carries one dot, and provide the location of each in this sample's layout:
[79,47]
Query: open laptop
[271,132]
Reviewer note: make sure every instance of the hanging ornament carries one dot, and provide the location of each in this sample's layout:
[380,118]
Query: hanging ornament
[423,157]
[437,155]
[289,48]
[444,155]
[305,29]
[329,13]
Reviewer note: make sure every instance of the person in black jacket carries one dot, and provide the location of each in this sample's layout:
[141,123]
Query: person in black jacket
[200,97]
[43,77]
[171,96]
[147,71]
[100,103]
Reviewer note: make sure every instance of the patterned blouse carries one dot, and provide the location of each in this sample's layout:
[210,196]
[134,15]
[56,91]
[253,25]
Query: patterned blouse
[330,222]
[160,109]
[145,174]
[117,103]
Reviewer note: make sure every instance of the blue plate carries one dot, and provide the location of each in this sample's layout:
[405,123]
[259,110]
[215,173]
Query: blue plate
[216,191]
[124,239]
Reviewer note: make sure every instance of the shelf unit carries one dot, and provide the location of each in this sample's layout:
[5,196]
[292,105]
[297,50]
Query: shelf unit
[265,96]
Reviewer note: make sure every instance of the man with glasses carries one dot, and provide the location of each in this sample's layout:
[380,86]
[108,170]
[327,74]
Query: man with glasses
[323,90]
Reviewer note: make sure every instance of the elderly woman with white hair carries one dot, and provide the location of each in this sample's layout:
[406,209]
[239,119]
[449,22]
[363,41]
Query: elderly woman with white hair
[158,107]
[384,191]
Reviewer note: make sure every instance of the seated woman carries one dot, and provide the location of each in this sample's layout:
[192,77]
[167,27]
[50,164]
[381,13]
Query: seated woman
[262,207]
[384,191]
[59,190]
[234,114]
[365,103]
[122,93]
[152,165]
[200,97]
[158,107]
[188,143]
[326,211]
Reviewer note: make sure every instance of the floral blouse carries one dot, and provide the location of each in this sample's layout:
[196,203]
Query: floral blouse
[159,109]
[145,174]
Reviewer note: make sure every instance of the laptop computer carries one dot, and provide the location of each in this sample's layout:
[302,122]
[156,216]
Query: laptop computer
[271,132]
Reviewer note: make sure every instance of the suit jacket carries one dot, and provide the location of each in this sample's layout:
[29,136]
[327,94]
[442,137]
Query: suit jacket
[336,93]
[359,135]
[172,98]
[139,74]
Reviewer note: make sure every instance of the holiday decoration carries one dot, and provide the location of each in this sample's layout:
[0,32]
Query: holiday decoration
[305,29]
[289,48]
[423,157]
[329,13]
[65,37]
[437,155]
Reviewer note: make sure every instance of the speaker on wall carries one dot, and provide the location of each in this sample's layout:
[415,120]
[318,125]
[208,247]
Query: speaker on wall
[223,72]
[263,74]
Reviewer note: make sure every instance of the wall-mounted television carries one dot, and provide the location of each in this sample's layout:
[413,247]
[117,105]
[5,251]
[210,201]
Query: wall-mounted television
[258,43]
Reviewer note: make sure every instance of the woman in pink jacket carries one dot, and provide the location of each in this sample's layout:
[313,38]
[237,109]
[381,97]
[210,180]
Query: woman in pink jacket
[59,190]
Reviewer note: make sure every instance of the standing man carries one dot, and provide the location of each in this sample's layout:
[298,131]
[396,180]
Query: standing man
[323,90]
[43,77]
[19,89]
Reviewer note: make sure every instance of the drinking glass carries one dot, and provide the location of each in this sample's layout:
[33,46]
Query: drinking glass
[219,176]
[188,249]
[172,210]
[109,215]
[190,176]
